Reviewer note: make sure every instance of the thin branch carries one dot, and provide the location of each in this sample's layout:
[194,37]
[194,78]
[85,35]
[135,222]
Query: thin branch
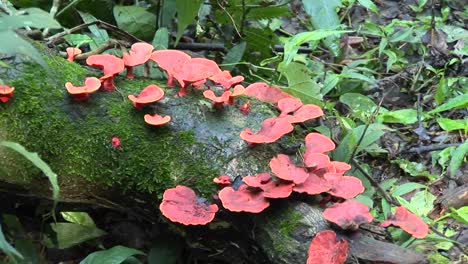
[231,18]
[429,148]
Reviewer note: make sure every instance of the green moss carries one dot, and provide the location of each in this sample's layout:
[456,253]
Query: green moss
[284,223]
[75,138]
[436,258]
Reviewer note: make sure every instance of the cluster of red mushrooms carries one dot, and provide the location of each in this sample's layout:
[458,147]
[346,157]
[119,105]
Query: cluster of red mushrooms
[314,174]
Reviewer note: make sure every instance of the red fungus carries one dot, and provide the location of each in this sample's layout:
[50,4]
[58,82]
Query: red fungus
[346,187]
[258,180]
[316,161]
[152,93]
[288,105]
[304,113]
[326,249]
[157,120]
[218,101]
[6,93]
[72,53]
[225,79]
[81,93]
[245,108]
[115,142]
[181,205]
[272,130]
[284,169]
[243,200]
[407,221]
[265,92]
[318,143]
[171,61]
[139,54]
[110,64]
[238,90]
[340,167]
[348,215]
[195,70]
[314,184]
[271,188]
[222,180]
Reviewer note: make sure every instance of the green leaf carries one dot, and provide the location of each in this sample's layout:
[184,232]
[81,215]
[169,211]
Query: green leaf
[39,163]
[360,105]
[354,74]
[365,200]
[268,12]
[136,20]
[100,36]
[383,44]
[80,218]
[187,10]
[292,46]
[392,58]
[407,187]
[458,157]
[32,17]
[161,39]
[330,82]
[234,55]
[324,15]
[369,5]
[460,101]
[402,116]
[65,235]
[442,90]
[17,45]
[386,208]
[460,214]
[78,40]
[448,124]
[6,248]
[347,145]
[300,83]
[115,255]
[423,202]
[414,169]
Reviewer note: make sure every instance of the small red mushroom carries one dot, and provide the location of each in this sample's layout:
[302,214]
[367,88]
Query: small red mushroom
[318,143]
[171,61]
[181,205]
[284,169]
[271,188]
[110,64]
[6,93]
[218,101]
[326,249]
[81,93]
[243,200]
[152,93]
[195,70]
[237,91]
[139,54]
[72,53]
[157,120]
[225,79]
[272,129]
[408,221]
[222,180]
[348,215]
[245,108]
[115,142]
[265,92]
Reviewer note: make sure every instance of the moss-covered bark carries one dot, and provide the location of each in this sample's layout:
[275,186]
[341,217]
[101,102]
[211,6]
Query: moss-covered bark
[74,138]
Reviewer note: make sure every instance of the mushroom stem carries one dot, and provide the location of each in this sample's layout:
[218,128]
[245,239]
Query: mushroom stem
[182,91]
[130,72]
[80,97]
[108,84]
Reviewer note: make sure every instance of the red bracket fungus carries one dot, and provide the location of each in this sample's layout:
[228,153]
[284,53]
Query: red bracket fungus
[218,101]
[237,91]
[222,180]
[348,215]
[72,53]
[6,93]
[318,143]
[284,169]
[181,205]
[81,93]
[340,167]
[346,187]
[265,92]
[314,184]
[139,54]
[272,129]
[171,61]
[408,221]
[295,112]
[195,70]
[326,249]
[316,161]
[271,188]
[157,120]
[110,64]
[152,93]
[225,79]
[243,200]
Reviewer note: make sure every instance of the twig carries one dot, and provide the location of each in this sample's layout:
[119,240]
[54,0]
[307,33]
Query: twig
[429,148]
[457,244]
[111,43]
[53,11]
[231,18]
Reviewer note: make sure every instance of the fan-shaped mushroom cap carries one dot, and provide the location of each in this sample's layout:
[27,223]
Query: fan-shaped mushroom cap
[258,180]
[271,188]
[196,69]
[348,215]
[225,79]
[318,143]
[326,249]
[139,54]
[218,101]
[272,130]
[346,187]
[181,205]
[110,64]
[288,105]
[265,92]
[157,120]
[243,200]
[316,161]
[72,53]
[222,180]
[407,221]
[171,61]
[314,184]
[152,93]
[340,167]
[304,113]
[284,169]
[80,93]
[237,91]
[6,93]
